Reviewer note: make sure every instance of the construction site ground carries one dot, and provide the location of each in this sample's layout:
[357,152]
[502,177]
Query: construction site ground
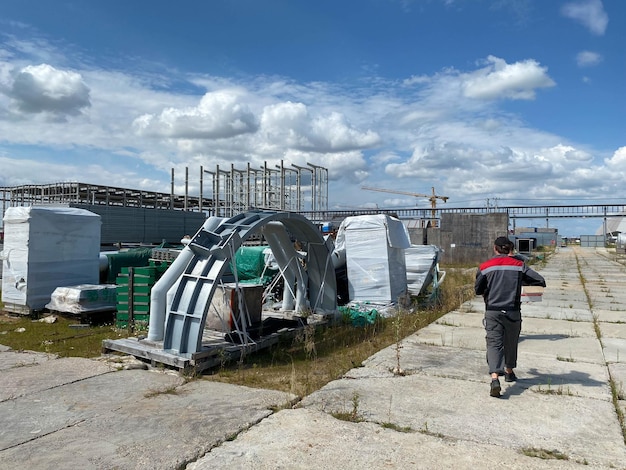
[564,410]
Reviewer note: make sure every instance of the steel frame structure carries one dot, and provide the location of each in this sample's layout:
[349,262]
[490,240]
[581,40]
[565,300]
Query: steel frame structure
[230,191]
[278,188]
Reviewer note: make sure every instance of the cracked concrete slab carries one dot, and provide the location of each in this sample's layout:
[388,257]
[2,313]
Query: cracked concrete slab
[305,439]
[437,415]
[129,419]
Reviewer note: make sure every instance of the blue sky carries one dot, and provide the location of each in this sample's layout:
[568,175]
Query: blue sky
[519,100]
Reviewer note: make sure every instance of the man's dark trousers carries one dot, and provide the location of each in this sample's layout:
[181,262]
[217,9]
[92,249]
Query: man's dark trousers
[503,330]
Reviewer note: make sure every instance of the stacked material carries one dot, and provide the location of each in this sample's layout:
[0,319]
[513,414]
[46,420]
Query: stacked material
[44,248]
[374,248]
[84,298]
[134,285]
[421,267]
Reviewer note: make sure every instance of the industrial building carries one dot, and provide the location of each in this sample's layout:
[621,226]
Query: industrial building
[149,217]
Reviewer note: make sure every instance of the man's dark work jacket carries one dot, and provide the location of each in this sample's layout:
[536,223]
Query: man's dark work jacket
[500,280]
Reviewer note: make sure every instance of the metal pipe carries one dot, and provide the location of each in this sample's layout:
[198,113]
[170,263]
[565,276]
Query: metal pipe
[216,188]
[172,191]
[158,294]
[201,179]
[186,187]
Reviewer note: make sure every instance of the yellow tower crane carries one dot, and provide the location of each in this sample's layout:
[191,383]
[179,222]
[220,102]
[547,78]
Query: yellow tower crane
[431,197]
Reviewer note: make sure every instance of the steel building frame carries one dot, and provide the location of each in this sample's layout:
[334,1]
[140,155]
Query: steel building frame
[230,192]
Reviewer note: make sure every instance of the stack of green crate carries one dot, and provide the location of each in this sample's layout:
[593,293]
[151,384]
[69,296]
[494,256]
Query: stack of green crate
[134,285]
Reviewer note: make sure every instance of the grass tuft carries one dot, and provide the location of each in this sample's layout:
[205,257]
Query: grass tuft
[544,453]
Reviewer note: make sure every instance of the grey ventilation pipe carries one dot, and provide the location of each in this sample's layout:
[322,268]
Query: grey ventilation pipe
[158,295]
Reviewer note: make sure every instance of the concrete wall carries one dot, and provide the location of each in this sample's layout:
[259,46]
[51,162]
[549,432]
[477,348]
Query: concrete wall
[592,240]
[465,238]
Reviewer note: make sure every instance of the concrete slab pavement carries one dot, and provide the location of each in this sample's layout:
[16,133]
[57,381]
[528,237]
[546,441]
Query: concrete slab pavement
[561,412]
[440,415]
[87,414]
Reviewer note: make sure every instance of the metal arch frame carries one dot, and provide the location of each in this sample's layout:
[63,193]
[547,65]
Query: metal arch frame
[212,251]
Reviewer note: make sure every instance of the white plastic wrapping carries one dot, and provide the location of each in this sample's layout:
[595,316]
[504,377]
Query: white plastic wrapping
[44,248]
[421,261]
[84,298]
[374,249]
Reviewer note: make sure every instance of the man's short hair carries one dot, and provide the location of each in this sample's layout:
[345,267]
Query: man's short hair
[502,241]
[503,245]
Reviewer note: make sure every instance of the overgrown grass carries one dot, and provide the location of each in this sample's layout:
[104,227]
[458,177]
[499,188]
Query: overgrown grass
[65,337]
[308,362]
[299,366]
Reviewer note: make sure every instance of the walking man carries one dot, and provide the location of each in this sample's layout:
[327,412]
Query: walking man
[499,280]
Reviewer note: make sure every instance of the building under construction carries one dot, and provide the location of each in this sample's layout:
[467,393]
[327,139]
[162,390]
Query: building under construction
[129,215]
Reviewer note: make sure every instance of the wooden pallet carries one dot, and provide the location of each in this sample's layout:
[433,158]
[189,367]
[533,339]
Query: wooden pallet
[216,349]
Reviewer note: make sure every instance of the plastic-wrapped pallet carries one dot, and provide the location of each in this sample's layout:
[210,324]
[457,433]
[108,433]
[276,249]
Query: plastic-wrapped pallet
[85,298]
[44,248]
[374,248]
[421,261]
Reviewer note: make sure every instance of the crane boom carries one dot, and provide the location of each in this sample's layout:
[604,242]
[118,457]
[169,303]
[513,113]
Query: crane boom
[431,197]
[406,193]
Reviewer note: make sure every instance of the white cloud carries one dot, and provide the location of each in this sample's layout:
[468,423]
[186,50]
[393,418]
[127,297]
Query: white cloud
[501,80]
[23,171]
[219,115]
[291,125]
[416,80]
[446,130]
[590,13]
[588,59]
[567,153]
[43,88]
[618,160]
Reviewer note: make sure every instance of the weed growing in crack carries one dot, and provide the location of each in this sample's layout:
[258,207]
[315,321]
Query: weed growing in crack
[565,359]
[353,415]
[171,390]
[397,324]
[616,393]
[428,432]
[396,427]
[544,453]
[558,391]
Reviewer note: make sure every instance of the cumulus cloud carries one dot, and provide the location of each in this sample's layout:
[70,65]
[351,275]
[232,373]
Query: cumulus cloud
[444,130]
[588,59]
[45,89]
[498,79]
[567,153]
[219,115]
[618,159]
[589,13]
[290,125]
[462,169]
[447,158]
[23,171]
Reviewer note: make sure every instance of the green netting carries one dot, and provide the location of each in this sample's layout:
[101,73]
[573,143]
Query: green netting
[359,315]
[250,262]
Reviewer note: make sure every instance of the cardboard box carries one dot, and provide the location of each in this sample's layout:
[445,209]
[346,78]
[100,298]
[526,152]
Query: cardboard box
[532,293]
